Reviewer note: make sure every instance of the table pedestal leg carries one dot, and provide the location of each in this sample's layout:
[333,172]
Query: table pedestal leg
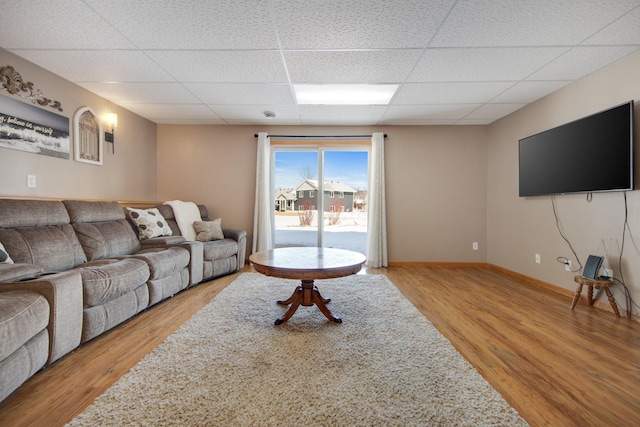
[306,294]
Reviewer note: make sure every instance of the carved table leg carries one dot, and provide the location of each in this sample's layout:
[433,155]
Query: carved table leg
[590,294]
[576,297]
[306,294]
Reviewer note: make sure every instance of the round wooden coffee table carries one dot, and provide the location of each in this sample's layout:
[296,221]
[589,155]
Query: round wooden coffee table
[307,264]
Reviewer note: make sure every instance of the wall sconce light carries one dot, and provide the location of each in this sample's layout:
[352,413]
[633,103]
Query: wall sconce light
[111,123]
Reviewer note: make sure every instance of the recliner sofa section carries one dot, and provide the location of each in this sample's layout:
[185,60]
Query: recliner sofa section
[220,257]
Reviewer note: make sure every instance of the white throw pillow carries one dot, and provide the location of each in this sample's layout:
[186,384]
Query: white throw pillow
[150,223]
[4,255]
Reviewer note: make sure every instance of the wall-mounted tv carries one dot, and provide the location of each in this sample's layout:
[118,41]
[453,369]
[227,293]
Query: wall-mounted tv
[591,154]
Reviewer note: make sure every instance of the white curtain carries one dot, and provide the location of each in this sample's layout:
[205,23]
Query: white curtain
[377,212]
[263,209]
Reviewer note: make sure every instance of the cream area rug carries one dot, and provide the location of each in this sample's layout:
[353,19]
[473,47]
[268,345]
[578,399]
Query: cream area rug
[385,365]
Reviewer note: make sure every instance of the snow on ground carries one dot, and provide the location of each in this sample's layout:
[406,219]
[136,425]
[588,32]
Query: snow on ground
[350,232]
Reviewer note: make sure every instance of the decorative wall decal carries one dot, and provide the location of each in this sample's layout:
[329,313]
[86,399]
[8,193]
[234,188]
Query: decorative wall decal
[13,83]
[88,137]
[28,128]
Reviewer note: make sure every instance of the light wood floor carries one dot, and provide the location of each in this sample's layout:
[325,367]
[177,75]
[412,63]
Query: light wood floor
[557,367]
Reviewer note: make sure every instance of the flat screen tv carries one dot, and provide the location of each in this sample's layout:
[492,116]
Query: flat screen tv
[588,155]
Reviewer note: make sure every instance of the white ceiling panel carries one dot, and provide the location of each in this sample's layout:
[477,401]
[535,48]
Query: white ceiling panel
[581,61]
[455,61]
[196,24]
[625,30]
[161,112]
[46,24]
[232,66]
[428,112]
[143,93]
[526,92]
[363,24]
[98,65]
[237,93]
[256,112]
[360,66]
[487,64]
[449,93]
[493,111]
[481,23]
[340,114]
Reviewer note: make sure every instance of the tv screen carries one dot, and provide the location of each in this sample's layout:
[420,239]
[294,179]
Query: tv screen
[591,154]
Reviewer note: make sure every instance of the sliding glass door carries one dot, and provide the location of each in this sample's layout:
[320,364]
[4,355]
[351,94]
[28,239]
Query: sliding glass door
[320,196]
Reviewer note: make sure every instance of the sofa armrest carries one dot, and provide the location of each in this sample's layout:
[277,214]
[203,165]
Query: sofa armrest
[240,236]
[16,272]
[63,291]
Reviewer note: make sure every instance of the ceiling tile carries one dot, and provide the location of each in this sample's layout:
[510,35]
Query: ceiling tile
[419,122]
[160,112]
[237,93]
[449,93]
[360,66]
[142,93]
[526,22]
[341,114]
[339,24]
[526,92]
[493,111]
[429,112]
[98,65]
[256,112]
[220,66]
[490,64]
[580,61]
[196,24]
[45,24]
[625,30]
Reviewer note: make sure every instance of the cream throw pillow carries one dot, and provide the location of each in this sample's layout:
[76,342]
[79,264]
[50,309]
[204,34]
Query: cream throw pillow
[208,230]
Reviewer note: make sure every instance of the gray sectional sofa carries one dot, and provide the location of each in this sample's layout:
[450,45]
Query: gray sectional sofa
[79,269]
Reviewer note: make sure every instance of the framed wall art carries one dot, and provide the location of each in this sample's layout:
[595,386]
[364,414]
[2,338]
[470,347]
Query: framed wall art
[29,128]
[88,137]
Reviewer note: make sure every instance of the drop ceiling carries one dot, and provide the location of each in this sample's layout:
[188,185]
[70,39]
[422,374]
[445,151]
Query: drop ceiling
[227,62]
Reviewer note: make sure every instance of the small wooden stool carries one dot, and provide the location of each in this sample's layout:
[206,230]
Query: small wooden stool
[592,283]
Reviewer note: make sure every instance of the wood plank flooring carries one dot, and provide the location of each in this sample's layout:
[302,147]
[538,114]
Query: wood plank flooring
[557,367]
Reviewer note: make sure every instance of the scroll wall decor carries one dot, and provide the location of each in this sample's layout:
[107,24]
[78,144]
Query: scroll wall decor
[13,83]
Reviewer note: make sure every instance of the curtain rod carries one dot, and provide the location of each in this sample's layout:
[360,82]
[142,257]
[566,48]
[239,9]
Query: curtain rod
[318,136]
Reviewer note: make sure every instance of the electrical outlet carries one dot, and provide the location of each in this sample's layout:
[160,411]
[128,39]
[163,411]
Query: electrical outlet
[475,246]
[567,266]
[31,181]
[608,272]
[537,258]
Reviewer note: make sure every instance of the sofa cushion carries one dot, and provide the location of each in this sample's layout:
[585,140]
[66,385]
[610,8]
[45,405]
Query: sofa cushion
[20,365]
[31,213]
[107,239]
[54,247]
[219,249]
[208,230]
[164,262]
[149,222]
[23,314]
[86,211]
[107,279]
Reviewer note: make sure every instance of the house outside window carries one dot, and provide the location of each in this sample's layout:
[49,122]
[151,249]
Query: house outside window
[341,195]
[301,194]
[331,194]
[312,193]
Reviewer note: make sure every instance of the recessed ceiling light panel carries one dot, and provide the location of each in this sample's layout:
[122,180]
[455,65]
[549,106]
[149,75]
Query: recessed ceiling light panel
[344,94]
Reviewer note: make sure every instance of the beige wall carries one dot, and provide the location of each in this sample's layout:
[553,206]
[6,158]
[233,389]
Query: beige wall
[517,228]
[129,174]
[436,181]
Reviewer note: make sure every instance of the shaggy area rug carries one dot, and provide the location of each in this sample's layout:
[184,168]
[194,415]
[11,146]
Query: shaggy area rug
[385,365]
